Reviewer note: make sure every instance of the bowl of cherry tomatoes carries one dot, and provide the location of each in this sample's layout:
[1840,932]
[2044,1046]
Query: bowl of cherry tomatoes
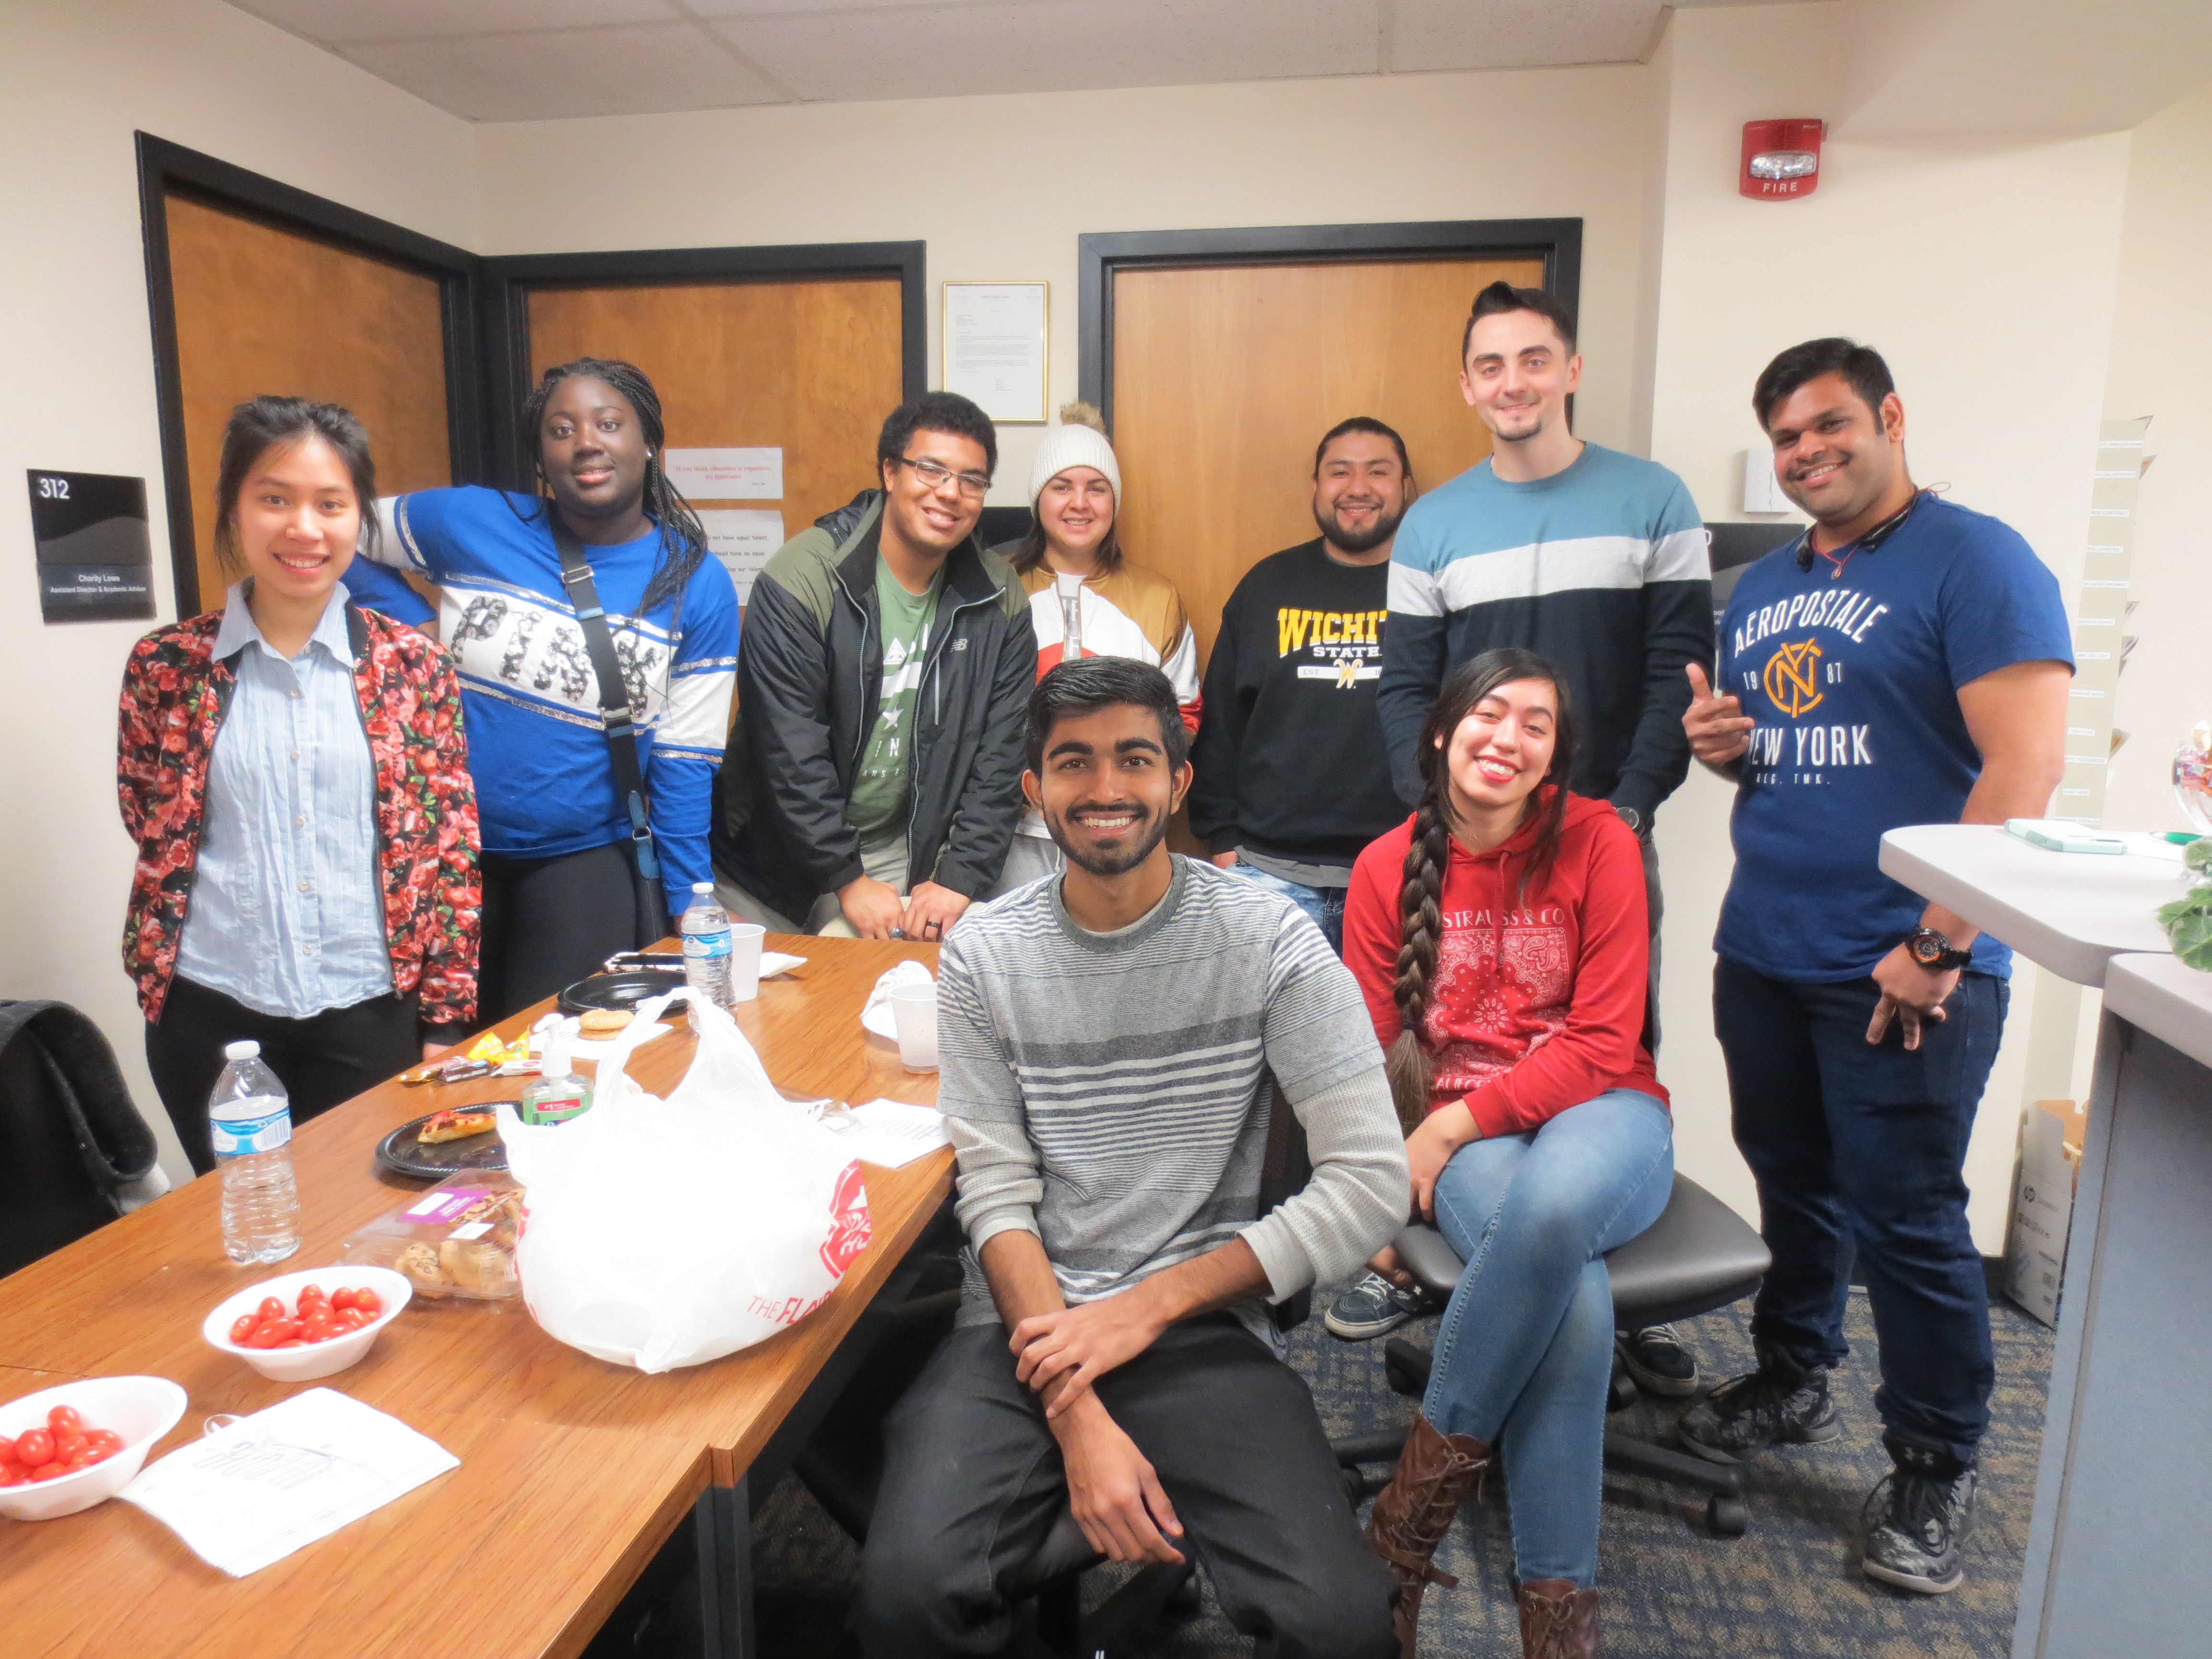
[311,1323]
[88,1439]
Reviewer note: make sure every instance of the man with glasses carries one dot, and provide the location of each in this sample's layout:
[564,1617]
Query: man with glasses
[873,779]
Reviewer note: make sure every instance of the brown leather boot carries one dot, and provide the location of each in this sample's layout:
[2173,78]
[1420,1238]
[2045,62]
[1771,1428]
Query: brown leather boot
[1415,1511]
[1558,1620]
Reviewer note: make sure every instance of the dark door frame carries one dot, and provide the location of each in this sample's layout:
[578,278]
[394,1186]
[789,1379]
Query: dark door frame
[1557,242]
[164,167]
[503,317]
[483,304]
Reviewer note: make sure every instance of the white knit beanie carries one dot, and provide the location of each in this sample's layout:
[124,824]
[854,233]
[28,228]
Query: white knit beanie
[1076,442]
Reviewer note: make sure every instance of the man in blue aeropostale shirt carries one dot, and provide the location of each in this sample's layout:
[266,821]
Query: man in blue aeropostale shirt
[1906,661]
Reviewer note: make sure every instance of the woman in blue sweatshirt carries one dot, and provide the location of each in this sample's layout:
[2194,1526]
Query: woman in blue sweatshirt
[562,890]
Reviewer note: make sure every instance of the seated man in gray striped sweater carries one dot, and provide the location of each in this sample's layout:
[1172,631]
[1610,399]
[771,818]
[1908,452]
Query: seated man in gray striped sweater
[1104,1035]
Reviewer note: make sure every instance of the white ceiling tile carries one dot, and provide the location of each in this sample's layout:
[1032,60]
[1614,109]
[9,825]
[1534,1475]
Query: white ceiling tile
[1477,34]
[631,69]
[334,22]
[1054,45]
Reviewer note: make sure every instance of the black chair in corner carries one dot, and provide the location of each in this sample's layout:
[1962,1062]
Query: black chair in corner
[1697,1256]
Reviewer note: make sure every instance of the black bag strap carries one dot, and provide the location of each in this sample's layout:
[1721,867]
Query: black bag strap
[621,729]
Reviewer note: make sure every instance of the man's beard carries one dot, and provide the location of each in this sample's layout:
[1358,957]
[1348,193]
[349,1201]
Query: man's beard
[1362,541]
[1142,839]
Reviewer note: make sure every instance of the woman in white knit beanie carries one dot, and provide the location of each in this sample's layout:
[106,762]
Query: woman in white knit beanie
[1086,597]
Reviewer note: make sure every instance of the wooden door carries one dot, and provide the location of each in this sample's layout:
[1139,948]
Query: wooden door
[809,365]
[263,310]
[1225,377]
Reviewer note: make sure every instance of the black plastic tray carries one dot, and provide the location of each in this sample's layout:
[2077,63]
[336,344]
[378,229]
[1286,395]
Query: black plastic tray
[618,992]
[402,1154]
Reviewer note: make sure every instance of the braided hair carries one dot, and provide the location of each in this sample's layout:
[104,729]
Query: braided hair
[1420,899]
[683,538]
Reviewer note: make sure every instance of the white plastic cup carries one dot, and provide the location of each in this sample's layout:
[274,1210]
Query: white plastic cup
[914,1016]
[745,938]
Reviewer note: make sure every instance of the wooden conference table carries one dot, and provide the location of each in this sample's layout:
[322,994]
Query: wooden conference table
[573,1472]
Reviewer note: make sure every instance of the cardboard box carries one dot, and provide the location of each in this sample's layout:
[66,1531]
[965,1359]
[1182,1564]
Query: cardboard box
[2043,1206]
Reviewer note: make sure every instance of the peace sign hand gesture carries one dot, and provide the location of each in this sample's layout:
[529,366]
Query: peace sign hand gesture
[1719,729]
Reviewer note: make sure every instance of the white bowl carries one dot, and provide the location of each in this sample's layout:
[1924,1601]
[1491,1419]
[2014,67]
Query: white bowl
[139,1409]
[317,1358]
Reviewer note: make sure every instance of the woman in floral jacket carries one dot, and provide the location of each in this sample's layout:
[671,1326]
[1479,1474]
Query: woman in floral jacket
[293,771]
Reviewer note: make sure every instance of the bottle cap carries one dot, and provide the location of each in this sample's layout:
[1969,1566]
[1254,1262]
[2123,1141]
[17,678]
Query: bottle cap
[702,886]
[247,1049]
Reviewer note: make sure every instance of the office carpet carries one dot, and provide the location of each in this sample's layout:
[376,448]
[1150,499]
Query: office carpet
[1790,1588]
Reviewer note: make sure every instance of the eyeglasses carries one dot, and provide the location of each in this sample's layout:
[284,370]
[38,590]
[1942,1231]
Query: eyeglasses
[934,476]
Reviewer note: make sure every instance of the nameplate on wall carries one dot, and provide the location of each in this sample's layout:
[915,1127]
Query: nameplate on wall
[95,560]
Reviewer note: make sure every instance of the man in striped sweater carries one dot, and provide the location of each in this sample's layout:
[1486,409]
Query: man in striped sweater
[1106,1036]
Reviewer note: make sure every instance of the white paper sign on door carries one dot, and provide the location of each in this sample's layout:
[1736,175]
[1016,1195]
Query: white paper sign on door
[744,538]
[726,475]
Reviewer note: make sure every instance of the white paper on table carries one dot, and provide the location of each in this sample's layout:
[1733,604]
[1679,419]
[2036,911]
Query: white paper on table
[744,538]
[726,475]
[888,1133]
[778,962]
[250,1494]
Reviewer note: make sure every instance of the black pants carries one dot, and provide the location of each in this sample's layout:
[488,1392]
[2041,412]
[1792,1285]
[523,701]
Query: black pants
[321,1060]
[972,1484]
[1859,1150]
[549,922]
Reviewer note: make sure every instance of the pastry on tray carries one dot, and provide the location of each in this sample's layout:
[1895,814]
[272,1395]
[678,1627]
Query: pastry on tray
[454,1124]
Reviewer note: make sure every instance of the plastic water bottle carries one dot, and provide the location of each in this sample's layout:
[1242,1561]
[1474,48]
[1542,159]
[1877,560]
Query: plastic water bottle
[705,929]
[249,1120]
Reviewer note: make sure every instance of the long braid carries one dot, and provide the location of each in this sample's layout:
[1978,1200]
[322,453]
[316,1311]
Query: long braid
[1420,910]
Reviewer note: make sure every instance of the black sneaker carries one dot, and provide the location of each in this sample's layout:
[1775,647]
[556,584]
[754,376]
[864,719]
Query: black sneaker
[1918,1520]
[1659,1361]
[1780,1404]
[1375,1307]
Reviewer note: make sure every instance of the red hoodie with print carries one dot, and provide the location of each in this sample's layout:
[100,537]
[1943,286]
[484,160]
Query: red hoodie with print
[1538,1000]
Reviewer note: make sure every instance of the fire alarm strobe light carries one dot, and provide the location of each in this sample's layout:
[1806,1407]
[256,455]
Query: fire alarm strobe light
[1781,159]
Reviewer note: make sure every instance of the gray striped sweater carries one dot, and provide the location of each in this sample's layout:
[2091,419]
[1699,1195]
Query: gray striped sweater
[1104,1090]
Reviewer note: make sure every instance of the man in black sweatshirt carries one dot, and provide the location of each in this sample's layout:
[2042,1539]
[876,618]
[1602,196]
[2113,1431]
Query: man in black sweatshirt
[1293,778]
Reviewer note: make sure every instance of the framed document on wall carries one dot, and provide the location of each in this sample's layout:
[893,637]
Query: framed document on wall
[995,342]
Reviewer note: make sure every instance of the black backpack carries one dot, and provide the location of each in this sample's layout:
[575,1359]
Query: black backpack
[74,1140]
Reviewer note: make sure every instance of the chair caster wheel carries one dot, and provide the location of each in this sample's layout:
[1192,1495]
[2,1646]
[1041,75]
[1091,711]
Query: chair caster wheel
[1623,1392]
[1727,1517]
[1406,1370]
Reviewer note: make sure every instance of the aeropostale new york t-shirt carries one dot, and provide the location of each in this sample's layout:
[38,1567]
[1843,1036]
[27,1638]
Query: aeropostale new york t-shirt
[1851,672]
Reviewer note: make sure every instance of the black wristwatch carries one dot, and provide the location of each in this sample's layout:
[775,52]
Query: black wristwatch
[1932,950]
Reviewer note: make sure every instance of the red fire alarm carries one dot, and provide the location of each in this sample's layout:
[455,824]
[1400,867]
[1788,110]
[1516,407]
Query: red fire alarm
[1780,159]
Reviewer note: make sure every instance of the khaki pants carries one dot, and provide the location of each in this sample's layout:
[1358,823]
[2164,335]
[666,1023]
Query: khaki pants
[886,863]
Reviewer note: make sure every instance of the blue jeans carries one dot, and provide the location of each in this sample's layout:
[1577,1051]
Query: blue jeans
[1325,905]
[1525,1352]
[1859,1150]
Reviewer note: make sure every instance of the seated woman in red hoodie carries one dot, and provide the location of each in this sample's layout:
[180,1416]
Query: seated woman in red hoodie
[1499,936]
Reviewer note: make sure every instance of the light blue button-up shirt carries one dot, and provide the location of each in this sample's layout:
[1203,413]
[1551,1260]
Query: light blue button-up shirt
[286,915]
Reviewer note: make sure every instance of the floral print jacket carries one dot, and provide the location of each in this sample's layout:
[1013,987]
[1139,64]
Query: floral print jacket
[174,698]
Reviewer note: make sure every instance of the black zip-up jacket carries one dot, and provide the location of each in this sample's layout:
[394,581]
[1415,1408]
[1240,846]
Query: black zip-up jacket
[809,676]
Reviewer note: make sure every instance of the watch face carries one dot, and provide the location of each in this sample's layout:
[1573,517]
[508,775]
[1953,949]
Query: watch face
[1926,949]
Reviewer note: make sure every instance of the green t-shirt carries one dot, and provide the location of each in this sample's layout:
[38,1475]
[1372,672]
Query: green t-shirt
[878,806]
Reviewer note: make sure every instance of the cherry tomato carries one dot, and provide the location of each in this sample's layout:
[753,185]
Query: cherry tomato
[355,1319]
[34,1446]
[246,1325]
[48,1471]
[342,1299]
[319,1329]
[368,1302]
[291,1342]
[105,1441]
[312,1294]
[274,1332]
[7,1449]
[12,1474]
[67,1446]
[65,1420]
[270,1307]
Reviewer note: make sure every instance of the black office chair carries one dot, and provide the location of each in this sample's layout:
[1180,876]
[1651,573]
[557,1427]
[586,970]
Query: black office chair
[1698,1255]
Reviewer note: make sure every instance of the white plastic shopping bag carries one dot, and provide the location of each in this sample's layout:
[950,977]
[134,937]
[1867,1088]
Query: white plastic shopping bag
[665,1233]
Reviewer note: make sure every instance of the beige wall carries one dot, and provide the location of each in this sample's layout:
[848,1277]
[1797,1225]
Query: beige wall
[1000,187]
[2161,366]
[1959,260]
[76,77]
